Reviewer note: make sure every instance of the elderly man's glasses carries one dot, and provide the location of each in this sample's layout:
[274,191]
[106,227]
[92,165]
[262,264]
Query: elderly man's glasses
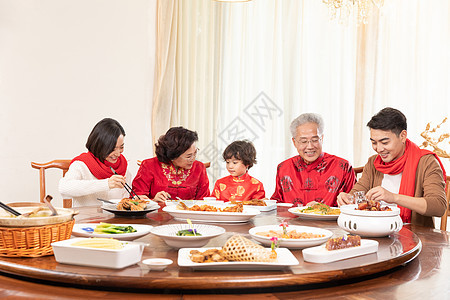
[314,141]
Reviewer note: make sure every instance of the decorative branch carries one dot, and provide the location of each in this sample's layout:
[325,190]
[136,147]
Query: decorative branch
[433,142]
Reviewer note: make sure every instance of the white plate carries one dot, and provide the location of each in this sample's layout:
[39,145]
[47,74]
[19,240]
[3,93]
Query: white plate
[296,211]
[169,234]
[285,204]
[83,230]
[270,205]
[321,255]
[192,202]
[285,259]
[211,216]
[351,210]
[291,243]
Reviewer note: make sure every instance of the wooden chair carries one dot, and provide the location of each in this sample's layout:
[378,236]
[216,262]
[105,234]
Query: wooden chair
[62,164]
[443,227]
[207,164]
[358,171]
[447,193]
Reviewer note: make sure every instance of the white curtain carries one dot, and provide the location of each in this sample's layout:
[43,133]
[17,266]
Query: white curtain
[245,70]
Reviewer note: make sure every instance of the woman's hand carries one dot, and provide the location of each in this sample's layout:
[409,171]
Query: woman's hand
[116,181]
[344,199]
[162,196]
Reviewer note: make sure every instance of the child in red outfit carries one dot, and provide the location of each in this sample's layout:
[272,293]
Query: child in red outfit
[239,157]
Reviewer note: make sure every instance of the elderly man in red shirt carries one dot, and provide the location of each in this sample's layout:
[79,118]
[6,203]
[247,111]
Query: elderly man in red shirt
[312,175]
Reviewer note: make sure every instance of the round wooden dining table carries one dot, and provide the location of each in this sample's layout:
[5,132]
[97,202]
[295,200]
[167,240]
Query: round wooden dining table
[413,263]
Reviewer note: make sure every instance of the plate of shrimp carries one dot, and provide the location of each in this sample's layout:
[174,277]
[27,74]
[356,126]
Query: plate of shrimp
[128,207]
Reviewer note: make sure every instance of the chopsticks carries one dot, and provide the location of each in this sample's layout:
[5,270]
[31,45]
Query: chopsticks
[9,209]
[126,186]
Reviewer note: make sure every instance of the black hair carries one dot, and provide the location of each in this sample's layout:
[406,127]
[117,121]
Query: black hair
[103,138]
[241,150]
[388,119]
[174,143]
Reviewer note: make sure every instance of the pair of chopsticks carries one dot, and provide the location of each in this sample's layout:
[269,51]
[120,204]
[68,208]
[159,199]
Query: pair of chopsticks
[9,209]
[126,186]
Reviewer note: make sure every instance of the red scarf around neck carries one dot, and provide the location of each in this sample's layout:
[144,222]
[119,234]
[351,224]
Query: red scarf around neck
[407,164]
[102,170]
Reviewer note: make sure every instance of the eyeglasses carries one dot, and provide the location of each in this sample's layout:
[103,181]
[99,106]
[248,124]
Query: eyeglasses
[191,156]
[314,141]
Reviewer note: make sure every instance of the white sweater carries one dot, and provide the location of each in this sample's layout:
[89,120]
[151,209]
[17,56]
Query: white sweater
[80,185]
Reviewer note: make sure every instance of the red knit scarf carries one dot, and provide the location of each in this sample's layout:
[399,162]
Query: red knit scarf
[102,170]
[407,164]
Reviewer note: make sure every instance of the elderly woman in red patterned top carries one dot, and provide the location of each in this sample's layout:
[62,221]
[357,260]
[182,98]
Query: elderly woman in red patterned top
[174,172]
[312,175]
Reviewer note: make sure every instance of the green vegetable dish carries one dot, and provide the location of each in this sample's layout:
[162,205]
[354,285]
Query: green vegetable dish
[188,232]
[113,229]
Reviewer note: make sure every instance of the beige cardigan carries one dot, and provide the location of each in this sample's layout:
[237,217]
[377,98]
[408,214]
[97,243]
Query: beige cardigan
[430,184]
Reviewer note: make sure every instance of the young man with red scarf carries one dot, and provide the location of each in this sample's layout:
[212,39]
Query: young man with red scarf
[401,172]
[312,175]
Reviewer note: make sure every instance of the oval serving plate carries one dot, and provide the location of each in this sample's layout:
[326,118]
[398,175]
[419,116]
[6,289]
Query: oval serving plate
[291,243]
[212,216]
[296,211]
[87,230]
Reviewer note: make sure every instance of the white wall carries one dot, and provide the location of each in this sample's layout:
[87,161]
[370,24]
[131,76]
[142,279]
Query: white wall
[64,65]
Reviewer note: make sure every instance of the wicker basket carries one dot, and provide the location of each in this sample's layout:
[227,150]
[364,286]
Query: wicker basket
[33,241]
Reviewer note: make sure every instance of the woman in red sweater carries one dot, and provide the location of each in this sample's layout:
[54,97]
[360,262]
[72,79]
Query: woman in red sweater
[174,172]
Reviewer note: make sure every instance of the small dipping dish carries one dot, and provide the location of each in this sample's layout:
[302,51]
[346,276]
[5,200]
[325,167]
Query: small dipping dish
[157,264]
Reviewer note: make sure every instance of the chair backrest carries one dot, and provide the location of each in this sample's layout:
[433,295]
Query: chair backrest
[444,217]
[206,164]
[62,164]
[359,170]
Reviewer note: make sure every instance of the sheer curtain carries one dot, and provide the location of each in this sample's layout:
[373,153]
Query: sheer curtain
[245,70]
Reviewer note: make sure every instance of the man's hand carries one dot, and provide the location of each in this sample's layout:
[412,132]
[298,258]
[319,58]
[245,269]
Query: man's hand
[344,199]
[380,194]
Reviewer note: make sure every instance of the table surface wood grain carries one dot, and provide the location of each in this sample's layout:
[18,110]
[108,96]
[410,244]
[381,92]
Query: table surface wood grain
[393,272]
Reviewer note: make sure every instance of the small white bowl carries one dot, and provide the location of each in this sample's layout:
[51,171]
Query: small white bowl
[169,234]
[157,264]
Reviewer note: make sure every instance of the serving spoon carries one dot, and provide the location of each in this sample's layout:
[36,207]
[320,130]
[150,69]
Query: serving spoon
[47,200]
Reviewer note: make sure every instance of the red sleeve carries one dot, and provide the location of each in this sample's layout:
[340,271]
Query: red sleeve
[216,190]
[261,194]
[348,180]
[203,185]
[277,194]
[143,180]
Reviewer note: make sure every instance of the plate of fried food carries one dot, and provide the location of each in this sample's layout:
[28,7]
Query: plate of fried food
[295,236]
[259,204]
[220,212]
[125,232]
[128,207]
[316,211]
[238,253]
